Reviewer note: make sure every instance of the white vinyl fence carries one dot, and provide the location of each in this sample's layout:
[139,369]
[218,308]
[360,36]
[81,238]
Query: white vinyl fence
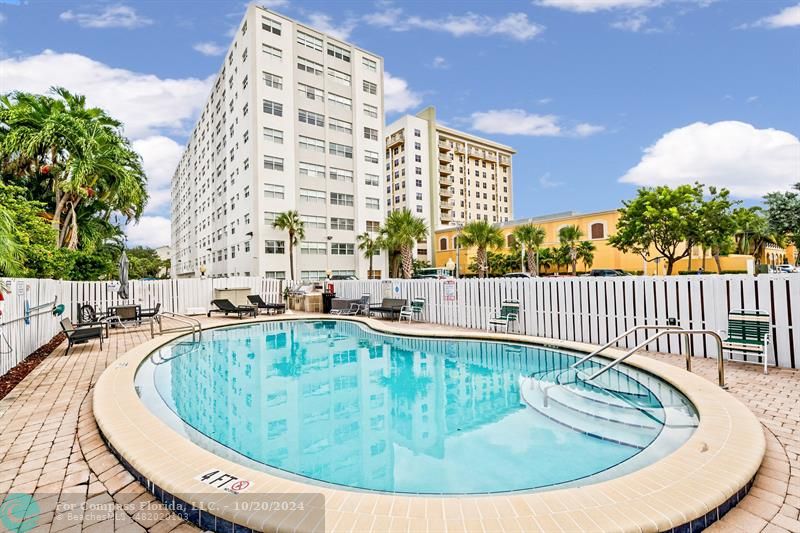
[595,310]
[20,338]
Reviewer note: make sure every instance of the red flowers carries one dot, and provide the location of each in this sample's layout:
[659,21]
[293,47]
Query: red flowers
[45,169]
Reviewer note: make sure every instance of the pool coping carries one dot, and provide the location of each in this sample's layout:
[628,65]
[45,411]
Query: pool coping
[690,488]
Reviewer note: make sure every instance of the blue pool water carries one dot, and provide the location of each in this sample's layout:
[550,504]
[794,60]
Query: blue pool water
[336,402]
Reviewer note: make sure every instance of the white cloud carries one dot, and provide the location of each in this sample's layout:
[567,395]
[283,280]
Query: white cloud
[160,156]
[324,23]
[440,62]
[591,6]
[513,25]
[114,16]
[748,161]
[546,182]
[751,99]
[209,48]
[520,122]
[787,18]
[633,23]
[145,103]
[2,18]
[585,130]
[150,231]
[397,96]
[274,4]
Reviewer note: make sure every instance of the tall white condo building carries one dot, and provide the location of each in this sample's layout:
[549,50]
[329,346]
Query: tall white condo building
[294,122]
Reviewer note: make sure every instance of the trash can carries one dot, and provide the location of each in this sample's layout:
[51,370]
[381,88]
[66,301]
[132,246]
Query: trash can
[327,301]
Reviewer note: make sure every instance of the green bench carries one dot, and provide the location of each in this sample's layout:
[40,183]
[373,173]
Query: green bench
[507,316]
[748,333]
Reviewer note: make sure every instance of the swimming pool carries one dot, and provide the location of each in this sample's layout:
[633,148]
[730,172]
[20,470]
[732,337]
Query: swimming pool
[334,402]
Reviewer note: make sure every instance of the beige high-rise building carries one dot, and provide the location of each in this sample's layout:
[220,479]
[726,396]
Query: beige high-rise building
[445,176]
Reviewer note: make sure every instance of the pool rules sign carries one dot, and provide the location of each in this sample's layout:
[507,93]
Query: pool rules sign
[450,290]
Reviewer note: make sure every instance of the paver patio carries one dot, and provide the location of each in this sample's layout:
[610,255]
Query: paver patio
[50,444]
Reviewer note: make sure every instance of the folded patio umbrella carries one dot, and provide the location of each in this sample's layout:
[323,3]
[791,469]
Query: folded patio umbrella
[123,276]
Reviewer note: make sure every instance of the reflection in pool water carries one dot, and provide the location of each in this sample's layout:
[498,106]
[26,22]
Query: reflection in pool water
[333,401]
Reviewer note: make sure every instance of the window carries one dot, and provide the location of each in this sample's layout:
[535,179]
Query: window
[443,243]
[273,80]
[341,150]
[419,196]
[272,51]
[273,108]
[340,100]
[338,52]
[371,110]
[342,248]
[273,163]
[312,67]
[597,230]
[418,159]
[370,87]
[269,217]
[418,171]
[310,143]
[340,174]
[273,135]
[371,134]
[309,41]
[309,117]
[272,26]
[312,195]
[274,247]
[245,137]
[373,226]
[312,93]
[344,224]
[369,64]
[371,179]
[275,274]
[370,156]
[272,190]
[244,83]
[246,192]
[245,108]
[417,133]
[313,248]
[373,203]
[339,76]
[341,126]
[312,170]
[312,275]
[312,221]
[338,198]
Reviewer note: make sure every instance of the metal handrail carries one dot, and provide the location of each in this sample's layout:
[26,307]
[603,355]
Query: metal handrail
[687,332]
[619,338]
[195,325]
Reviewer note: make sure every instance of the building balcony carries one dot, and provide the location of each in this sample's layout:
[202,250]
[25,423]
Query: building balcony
[446,181]
[505,160]
[479,154]
[444,145]
[446,156]
[446,192]
[395,139]
[447,204]
[445,169]
[459,148]
[446,216]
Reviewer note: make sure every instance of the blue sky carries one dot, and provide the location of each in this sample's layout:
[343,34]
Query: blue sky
[597,96]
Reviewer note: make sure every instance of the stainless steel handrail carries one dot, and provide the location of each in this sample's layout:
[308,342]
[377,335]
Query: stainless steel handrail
[619,338]
[192,323]
[687,332]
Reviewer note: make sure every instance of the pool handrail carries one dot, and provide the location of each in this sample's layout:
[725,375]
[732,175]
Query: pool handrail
[672,331]
[622,336]
[192,324]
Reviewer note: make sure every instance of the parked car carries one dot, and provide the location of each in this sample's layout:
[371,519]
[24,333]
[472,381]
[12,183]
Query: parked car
[607,272]
[433,273]
[785,269]
[343,277]
[517,275]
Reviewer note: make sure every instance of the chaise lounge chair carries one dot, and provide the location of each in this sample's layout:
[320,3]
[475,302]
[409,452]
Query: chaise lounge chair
[274,308]
[80,335]
[226,306]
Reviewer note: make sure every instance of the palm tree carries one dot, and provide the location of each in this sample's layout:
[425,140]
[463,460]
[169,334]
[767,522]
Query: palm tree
[290,222]
[400,233]
[561,257]
[569,237]
[483,236]
[753,233]
[531,237]
[9,251]
[370,247]
[586,253]
[546,259]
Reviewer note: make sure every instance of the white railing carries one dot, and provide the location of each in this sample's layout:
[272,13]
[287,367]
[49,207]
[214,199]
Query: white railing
[595,310]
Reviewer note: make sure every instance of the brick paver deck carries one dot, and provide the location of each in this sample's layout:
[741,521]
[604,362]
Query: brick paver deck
[49,443]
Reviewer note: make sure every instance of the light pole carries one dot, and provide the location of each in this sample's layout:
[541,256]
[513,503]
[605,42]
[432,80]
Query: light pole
[458,251]
[522,257]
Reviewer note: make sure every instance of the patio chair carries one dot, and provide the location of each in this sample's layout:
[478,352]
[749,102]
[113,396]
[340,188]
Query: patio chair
[748,333]
[363,304]
[259,302]
[87,316]
[150,312]
[507,316]
[226,306]
[388,306]
[125,313]
[80,335]
[353,310]
[416,309]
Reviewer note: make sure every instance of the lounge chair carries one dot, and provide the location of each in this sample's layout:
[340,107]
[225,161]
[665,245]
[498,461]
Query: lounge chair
[363,304]
[388,306]
[88,317]
[748,332]
[80,335]
[353,310]
[257,301]
[507,316]
[150,312]
[416,309]
[226,306]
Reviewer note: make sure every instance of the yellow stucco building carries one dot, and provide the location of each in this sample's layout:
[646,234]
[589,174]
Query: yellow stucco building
[597,227]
